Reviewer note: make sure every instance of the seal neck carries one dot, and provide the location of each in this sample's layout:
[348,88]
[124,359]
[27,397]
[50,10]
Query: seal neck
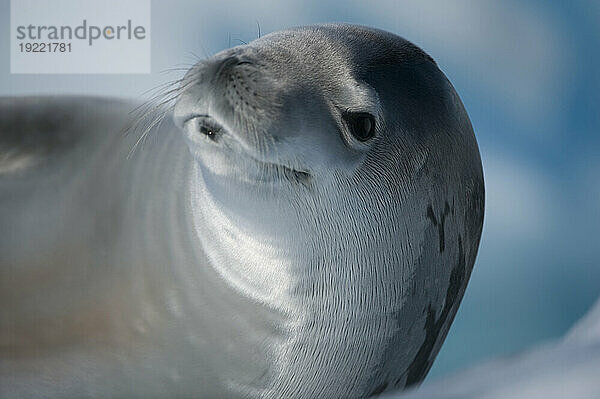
[256,250]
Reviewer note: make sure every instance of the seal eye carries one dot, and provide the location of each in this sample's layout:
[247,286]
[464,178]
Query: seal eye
[360,124]
[204,125]
[207,130]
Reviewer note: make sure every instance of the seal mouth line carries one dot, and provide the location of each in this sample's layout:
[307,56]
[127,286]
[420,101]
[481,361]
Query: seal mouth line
[289,172]
[280,166]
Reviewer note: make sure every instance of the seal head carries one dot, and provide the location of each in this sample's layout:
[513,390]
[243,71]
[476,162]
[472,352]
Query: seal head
[337,182]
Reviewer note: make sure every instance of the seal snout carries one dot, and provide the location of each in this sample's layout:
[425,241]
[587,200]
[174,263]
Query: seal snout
[224,66]
[230,87]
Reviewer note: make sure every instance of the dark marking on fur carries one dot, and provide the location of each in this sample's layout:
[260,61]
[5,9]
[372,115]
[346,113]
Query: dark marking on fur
[422,362]
[431,215]
[440,224]
[474,213]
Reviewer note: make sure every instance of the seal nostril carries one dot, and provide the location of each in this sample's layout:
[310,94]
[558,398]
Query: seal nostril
[244,62]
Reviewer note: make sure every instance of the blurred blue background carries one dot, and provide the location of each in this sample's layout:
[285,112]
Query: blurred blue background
[528,73]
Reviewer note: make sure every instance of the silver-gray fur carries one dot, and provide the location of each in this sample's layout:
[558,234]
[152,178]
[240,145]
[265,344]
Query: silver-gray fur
[254,249]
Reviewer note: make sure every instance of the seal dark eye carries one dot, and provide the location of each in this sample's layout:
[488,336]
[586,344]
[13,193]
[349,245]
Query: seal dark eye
[204,125]
[360,124]
[207,130]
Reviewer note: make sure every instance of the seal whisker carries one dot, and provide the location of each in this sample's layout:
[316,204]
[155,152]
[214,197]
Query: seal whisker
[196,56]
[148,109]
[156,121]
[175,69]
[158,90]
[151,113]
